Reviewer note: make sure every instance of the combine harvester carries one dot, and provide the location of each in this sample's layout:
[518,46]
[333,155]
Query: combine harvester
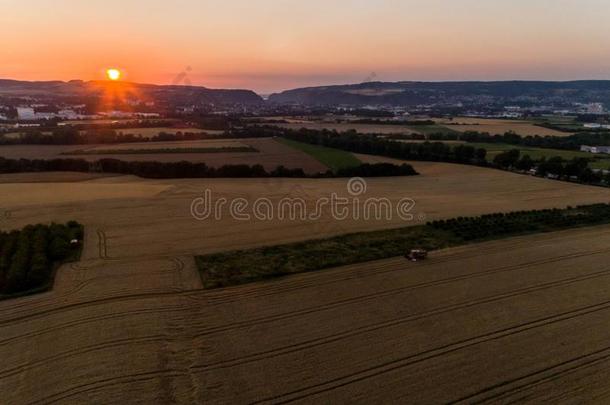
[416,255]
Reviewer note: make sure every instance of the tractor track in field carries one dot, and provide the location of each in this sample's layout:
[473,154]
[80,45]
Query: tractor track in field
[400,363]
[372,269]
[395,322]
[556,371]
[314,342]
[102,244]
[394,291]
[202,295]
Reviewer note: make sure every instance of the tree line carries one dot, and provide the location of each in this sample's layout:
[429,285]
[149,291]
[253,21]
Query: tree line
[567,169]
[29,257]
[184,169]
[576,169]
[72,136]
[492,226]
[358,143]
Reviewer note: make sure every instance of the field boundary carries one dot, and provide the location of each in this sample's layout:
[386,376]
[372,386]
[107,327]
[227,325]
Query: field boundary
[246,266]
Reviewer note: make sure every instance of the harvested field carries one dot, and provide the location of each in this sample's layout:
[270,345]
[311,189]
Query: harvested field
[159,221]
[518,320]
[346,126]
[50,177]
[150,132]
[130,322]
[271,154]
[499,126]
[212,143]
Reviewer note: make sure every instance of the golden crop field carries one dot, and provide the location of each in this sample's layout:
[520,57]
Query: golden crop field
[150,132]
[498,126]
[347,126]
[271,153]
[130,321]
[525,317]
[212,143]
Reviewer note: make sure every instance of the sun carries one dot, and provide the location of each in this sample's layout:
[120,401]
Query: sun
[113,74]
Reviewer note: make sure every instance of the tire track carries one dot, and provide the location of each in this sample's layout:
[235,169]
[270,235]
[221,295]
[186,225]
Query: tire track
[83,321]
[397,364]
[80,351]
[373,269]
[107,382]
[385,293]
[307,344]
[557,371]
[199,295]
[61,295]
[394,322]
[102,244]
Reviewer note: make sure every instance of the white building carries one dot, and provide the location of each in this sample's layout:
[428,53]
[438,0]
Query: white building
[595,149]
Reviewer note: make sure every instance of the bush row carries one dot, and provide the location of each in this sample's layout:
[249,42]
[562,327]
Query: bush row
[358,143]
[495,225]
[159,170]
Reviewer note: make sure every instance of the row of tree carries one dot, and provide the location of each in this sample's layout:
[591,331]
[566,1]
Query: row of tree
[568,142]
[184,169]
[494,225]
[72,136]
[576,169]
[556,166]
[28,257]
[358,143]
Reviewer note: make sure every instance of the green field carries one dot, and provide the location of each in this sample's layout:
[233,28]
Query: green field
[431,129]
[334,159]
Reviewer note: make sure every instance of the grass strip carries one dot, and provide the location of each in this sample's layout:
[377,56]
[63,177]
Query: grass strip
[334,159]
[240,267]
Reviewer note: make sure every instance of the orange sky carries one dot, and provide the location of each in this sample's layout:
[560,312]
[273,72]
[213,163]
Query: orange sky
[272,45]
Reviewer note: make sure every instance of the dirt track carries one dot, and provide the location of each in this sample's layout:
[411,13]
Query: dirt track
[130,323]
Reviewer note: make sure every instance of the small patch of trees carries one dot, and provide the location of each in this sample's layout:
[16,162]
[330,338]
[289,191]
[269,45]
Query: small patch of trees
[29,257]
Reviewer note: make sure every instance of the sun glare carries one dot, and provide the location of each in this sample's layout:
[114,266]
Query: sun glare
[113,74]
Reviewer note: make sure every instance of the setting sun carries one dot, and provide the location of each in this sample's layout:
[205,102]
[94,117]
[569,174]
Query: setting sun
[113,74]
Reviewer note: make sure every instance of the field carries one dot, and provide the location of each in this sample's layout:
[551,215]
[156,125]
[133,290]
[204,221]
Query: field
[335,159]
[527,322]
[213,143]
[131,323]
[150,132]
[271,153]
[494,149]
[347,126]
[499,126]
[459,124]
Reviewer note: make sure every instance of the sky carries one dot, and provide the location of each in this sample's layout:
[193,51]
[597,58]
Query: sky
[270,46]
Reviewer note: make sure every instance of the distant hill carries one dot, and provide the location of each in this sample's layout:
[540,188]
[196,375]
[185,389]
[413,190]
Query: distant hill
[413,93]
[78,88]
